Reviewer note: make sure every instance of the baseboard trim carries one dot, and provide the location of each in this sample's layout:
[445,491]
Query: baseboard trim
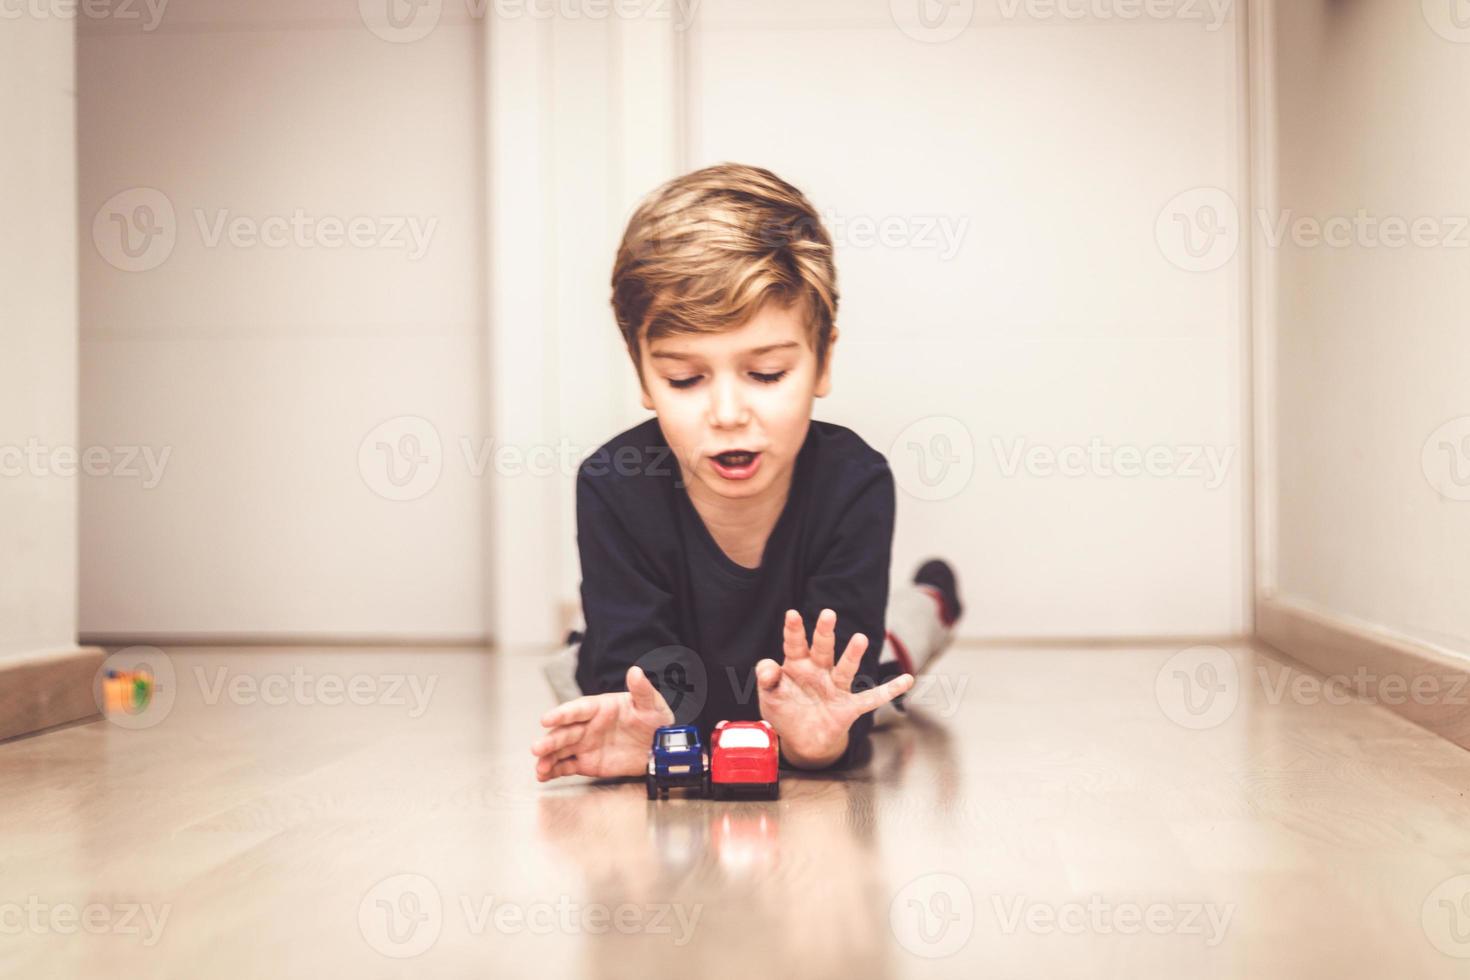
[47,688]
[1179,641]
[1430,686]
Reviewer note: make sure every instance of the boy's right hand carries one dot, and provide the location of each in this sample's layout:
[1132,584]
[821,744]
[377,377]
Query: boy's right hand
[602,734]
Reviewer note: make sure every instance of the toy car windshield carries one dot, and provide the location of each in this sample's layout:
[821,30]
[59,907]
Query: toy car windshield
[675,740]
[744,738]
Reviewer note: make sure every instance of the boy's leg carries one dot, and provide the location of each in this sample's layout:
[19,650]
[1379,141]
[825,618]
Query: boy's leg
[920,626]
[921,617]
[561,671]
[917,633]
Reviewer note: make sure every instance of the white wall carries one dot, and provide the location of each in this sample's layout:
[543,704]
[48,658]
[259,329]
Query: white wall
[1058,316]
[263,370]
[38,335]
[606,90]
[1372,379]
[1065,313]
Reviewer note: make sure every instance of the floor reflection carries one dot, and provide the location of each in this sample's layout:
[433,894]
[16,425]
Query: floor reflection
[793,884]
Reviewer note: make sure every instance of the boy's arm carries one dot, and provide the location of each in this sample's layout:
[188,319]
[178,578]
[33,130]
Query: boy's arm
[607,731]
[629,613]
[852,581]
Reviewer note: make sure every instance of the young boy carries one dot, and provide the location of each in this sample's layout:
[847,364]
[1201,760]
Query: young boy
[715,534]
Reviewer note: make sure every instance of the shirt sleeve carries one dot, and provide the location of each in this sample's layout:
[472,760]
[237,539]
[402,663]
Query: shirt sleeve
[629,609]
[852,580]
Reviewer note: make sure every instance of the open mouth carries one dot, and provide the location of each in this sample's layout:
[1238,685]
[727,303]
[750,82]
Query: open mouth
[737,464]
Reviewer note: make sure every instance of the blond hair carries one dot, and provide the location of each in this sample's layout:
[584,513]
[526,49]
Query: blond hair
[704,252]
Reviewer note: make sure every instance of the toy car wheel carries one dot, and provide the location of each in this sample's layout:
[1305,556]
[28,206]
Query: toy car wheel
[705,783]
[774,792]
[716,791]
[652,785]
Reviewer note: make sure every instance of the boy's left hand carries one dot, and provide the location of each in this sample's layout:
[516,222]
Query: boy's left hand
[809,700]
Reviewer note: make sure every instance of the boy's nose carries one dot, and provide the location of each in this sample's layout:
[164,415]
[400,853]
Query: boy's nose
[727,408]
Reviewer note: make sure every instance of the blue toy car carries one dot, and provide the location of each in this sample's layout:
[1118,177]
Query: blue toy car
[677,759]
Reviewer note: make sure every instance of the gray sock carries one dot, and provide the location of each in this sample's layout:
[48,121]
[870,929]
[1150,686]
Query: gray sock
[561,673]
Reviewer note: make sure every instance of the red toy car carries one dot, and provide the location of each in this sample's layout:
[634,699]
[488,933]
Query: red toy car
[745,755]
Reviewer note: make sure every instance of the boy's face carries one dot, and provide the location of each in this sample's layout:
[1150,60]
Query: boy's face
[748,390]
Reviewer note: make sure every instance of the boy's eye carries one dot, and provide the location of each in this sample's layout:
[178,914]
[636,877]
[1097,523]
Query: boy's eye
[764,377]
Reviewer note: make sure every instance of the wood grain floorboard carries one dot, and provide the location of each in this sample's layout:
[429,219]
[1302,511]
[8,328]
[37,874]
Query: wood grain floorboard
[1046,814]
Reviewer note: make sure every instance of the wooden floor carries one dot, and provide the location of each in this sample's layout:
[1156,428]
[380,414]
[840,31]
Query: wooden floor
[1045,815]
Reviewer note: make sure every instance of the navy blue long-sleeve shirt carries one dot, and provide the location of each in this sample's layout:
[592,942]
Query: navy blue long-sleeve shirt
[658,591]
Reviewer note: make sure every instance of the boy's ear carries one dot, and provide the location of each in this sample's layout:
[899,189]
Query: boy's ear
[824,380]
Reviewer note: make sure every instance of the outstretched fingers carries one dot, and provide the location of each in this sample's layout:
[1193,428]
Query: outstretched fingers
[852,659]
[646,697]
[824,639]
[767,675]
[554,768]
[577,709]
[567,767]
[877,697]
[559,738]
[793,636]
